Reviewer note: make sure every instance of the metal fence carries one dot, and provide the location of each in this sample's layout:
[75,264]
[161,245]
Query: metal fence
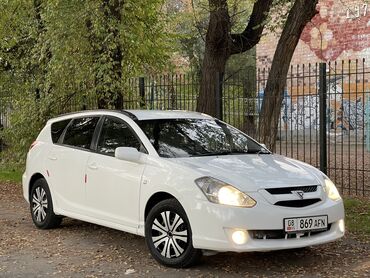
[324,120]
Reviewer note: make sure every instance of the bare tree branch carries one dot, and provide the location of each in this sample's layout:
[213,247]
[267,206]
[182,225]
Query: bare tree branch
[252,33]
[197,22]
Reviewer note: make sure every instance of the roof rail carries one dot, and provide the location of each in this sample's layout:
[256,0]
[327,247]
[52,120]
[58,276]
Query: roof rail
[129,114]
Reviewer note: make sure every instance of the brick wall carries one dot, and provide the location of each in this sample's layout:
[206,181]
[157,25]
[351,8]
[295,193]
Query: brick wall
[340,31]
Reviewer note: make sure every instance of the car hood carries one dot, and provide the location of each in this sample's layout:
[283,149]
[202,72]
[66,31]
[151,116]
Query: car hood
[252,172]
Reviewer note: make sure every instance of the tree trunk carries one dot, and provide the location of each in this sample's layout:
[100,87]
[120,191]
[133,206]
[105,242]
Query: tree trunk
[42,48]
[106,48]
[217,51]
[300,14]
[114,11]
[220,44]
[212,75]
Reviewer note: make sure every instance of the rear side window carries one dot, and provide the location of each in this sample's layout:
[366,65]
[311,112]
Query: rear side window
[57,129]
[80,132]
[116,133]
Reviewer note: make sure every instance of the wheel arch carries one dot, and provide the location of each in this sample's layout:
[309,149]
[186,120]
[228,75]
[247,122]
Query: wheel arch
[155,199]
[33,179]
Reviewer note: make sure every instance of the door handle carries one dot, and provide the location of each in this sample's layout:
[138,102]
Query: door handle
[93,166]
[52,158]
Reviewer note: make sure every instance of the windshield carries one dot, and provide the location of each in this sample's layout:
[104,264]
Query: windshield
[197,137]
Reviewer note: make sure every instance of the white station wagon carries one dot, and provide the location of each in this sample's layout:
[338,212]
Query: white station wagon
[189,183]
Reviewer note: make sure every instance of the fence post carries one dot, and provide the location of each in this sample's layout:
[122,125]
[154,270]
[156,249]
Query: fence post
[323,108]
[219,108]
[142,91]
[367,123]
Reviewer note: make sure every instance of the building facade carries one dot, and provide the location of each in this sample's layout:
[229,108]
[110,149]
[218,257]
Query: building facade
[340,36]
[340,31]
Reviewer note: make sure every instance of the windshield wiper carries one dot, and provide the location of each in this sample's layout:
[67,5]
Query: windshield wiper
[260,152]
[221,153]
[250,152]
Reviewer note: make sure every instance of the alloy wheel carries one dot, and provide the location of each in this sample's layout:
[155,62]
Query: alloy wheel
[39,204]
[169,234]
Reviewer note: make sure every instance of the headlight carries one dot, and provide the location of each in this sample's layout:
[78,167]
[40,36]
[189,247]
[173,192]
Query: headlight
[331,190]
[220,192]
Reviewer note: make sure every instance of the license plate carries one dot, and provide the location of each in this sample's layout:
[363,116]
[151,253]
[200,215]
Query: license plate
[298,224]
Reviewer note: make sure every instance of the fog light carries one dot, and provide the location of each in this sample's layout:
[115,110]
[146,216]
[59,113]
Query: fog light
[341,226]
[239,237]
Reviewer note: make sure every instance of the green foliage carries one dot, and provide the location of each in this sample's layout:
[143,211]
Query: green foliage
[10,174]
[27,119]
[53,53]
[358,216]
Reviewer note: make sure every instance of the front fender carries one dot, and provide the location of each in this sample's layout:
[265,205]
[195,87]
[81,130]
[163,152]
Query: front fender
[162,175]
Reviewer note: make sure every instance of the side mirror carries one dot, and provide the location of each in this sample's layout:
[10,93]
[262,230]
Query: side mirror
[128,154]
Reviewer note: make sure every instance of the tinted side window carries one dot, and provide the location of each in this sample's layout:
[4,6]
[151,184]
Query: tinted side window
[115,133]
[57,129]
[80,132]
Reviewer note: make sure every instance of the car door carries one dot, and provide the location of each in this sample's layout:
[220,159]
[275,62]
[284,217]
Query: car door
[67,162]
[113,185]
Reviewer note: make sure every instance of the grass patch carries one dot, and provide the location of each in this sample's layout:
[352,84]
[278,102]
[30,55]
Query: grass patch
[358,216]
[10,174]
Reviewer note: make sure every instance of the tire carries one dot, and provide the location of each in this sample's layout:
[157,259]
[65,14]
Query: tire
[171,245]
[41,206]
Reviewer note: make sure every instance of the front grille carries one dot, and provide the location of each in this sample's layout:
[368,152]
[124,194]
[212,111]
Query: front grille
[288,190]
[297,203]
[281,234]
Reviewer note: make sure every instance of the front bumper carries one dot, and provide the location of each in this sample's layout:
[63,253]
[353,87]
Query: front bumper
[212,225]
